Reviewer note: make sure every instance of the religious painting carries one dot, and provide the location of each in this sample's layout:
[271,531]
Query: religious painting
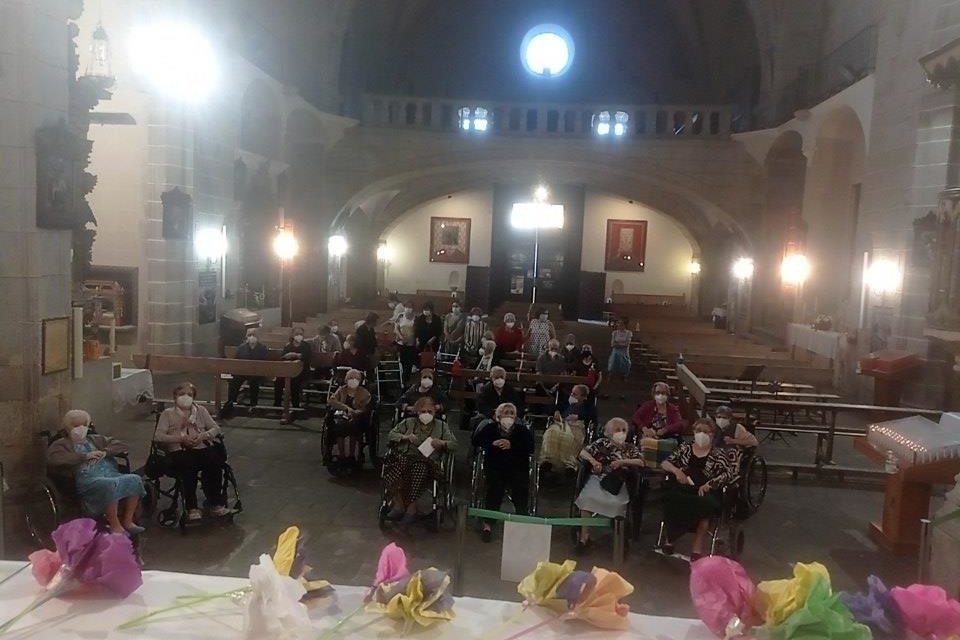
[450,240]
[626,245]
[56,177]
[207,304]
[55,345]
[177,215]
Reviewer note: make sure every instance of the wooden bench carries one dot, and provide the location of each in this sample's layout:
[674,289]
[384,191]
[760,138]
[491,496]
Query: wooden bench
[287,369]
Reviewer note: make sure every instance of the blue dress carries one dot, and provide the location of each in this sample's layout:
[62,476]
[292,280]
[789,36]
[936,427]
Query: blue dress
[100,483]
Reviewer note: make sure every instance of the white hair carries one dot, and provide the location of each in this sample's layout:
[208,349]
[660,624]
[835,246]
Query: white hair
[612,423]
[75,417]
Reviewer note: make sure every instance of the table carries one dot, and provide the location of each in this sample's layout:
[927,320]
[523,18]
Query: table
[132,385]
[824,343]
[92,616]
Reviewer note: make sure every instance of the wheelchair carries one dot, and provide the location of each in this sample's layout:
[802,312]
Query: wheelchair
[441,494]
[637,485]
[478,482]
[369,440]
[739,498]
[164,491]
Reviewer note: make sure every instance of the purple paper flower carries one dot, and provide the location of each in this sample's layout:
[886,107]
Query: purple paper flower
[875,608]
[574,586]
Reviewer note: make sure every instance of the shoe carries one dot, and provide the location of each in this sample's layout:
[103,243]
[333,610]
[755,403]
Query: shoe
[221,511]
[395,515]
[486,535]
[194,514]
[134,529]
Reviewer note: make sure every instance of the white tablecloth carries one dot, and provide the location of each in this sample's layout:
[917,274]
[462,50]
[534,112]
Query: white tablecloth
[130,387]
[824,343]
[89,616]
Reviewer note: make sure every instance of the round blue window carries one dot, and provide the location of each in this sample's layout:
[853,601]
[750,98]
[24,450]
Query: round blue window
[547,51]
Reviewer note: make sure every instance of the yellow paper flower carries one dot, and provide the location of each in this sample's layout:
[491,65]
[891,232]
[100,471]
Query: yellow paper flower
[775,600]
[286,552]
[423,599]
[601,605]
[289,561]
[540,587]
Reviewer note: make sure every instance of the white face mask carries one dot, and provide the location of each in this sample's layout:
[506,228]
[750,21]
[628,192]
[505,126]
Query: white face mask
[544,317]
[455,311]
[184,401]
[507,422]
[475,318]
[426,383]
[553,353]
[427,314]
[619,437]
[297,339]
[723,423]
[661,398]
[702,439]
[511,325]
[499,382]
[334,328]
[353,383]
[425,418]
[78,433]
[570,347]
[572,400]
[252,341]
[391,305]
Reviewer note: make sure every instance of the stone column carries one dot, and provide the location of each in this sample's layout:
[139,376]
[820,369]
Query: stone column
[34,263]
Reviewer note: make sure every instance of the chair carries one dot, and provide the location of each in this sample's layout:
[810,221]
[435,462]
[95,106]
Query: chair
[441,494]
[637,486]
[478,482]
[369,440]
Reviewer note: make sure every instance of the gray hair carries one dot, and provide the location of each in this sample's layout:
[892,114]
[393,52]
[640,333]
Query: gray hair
[75,417]
[503,407]
[498,372]
[612,423]
[509,317]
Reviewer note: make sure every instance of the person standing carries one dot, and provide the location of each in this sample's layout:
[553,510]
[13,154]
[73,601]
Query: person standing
[251,349]
[474,330]
[540,332]
[406,342]
[296,349]
[428,329]
[619,362]
[453,328]
[366,336]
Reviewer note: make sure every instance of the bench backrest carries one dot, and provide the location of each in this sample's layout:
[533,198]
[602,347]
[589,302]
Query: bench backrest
[697,390]
[191,364]
[526,378]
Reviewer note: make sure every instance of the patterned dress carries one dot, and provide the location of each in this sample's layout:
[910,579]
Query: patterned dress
[683,506]
[406,472]
[539,335]
[593,497]
[100,483]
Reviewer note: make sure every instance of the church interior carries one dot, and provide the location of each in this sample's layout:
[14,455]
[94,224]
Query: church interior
[669,290]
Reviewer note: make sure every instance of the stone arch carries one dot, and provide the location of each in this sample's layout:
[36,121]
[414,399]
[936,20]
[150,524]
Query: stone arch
[261,120]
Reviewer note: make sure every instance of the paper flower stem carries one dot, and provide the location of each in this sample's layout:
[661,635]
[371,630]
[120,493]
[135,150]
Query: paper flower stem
[329,633]
[42,598]
[23,568]
[186,601]
[539,625]
[503,626]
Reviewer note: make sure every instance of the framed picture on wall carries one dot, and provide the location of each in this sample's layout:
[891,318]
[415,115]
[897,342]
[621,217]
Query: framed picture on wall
[55,345]
[450,240]
[626,247]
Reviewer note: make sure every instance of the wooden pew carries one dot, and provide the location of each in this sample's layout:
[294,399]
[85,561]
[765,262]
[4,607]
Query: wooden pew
[287,369]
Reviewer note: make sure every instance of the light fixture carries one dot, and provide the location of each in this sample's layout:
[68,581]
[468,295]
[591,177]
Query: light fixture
[210,243]
[480,119]
[601,123]
[100,63]
[476,119]
[795,269]
[547,51]
[384,253]
[536,215]
[465,121]
[285,244]
[541,193]
[176,59]
[883,276]
[743,268]
[337,246]
[621,119]
[694,267]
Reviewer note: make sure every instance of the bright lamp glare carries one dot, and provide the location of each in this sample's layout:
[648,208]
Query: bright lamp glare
[694,267]
[536,215]
[384,253]
[883,276]
[547,50]
[210,244]
[285,244]
[176,59]
[743,269]
[337,246]
[541,193]
[795,269]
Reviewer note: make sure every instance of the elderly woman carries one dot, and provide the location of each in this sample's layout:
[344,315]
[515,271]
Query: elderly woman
[424,388]
[619,362]
[474,332]
[189,436]
[453,326]
[571,352]
[701,471]
[606,493]
[89,459]
[406,470]
[507,447]
[540,332]
[657,418]
[731,433]
[509,336]
[350,404]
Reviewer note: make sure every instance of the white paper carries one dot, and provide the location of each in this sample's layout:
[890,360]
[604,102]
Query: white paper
[524,545]
[426,448]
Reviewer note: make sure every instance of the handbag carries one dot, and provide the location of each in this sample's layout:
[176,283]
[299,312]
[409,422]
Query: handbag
[612,482]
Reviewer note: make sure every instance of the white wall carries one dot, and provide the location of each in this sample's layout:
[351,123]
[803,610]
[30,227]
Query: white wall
[409,241]
[668,250]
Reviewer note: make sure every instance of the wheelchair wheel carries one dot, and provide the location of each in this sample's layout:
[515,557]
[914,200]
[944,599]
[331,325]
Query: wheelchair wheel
[534,488]
[43,512]
[477,481]
[148,503]
[230,486]
[756,484]
[735,541]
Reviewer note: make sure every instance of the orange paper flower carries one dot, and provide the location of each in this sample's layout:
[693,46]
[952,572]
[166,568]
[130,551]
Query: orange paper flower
[601,606]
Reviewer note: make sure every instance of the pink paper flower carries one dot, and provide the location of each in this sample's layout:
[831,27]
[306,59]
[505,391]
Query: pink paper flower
[927,611]
[392,565]
[721,592]
[44,564]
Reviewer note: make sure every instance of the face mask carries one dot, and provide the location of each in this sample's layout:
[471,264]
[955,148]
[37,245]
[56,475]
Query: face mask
[572,400]
[348,346]
[353,383]
[426,383]
[391,305]
[480,351]
[701,439]
[507,422]
[553,353]
[570,347]
[184,401]
[252,341]
[544,317]
[619,437]
[427,314]
[77,434]
[334,329]
[499,382]
[455,311]
[475,318]
[661,398]
[511,325]
[426,418]
[297,339]
[723,423]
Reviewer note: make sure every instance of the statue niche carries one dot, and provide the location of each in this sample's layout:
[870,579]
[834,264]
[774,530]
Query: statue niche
[938,234]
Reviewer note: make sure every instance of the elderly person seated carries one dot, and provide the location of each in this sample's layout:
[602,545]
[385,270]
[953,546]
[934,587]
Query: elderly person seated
[657,418]
[190,437]
[351,408]
[251,349]
[701,471]
[551,362]
[731,433]
[296,349]
[89,458]
[424,388]
[564,438]
[407,472]
[326,341]
[509,336]
[487,351]
[497,391]
[606,493]
[507,446]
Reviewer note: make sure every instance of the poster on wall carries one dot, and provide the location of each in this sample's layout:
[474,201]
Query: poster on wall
[450,240]
[207,305]
[626,245]
[55,345]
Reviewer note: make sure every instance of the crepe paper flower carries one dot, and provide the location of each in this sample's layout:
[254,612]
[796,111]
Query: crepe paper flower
[775,600]
[927,610]
[289,560]
[423,599]
[84,556]
[540,587]
[601,606]
[574,586]
[822,616]
[273,609]
[722,593]
[44,564]
[875,608]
